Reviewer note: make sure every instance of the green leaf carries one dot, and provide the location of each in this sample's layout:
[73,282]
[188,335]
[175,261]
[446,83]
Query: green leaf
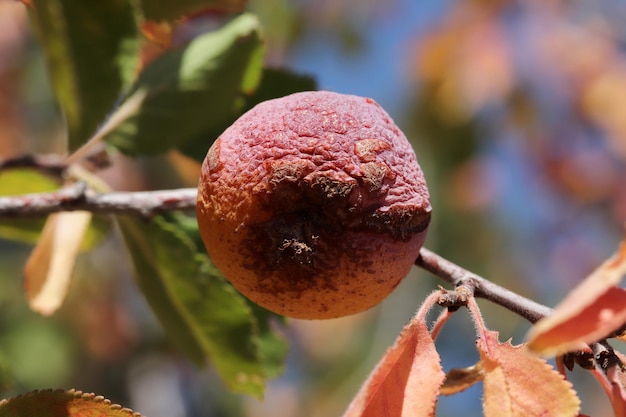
[26,181]
[275,82]
[273,347]
[201,312]
[23,181]
[188,91]
[98,229]
[18,181]
[174,9]
[278,82]
[7,377]
[92,49]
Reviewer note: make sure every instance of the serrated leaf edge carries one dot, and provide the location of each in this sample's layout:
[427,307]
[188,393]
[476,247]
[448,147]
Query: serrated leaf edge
[76,394]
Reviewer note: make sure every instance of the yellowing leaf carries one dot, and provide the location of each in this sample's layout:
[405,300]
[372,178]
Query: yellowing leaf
[519,384]
[590,312]
[406,381]
[49,268]
[59,403]
[23,181]
[458,380]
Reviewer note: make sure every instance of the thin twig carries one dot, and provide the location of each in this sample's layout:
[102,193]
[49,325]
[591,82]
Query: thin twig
[53,164]
[455,275]
[79,197]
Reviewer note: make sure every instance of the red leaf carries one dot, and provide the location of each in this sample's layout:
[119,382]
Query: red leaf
[406,381]
[594,309]
[59,403]
[518,383]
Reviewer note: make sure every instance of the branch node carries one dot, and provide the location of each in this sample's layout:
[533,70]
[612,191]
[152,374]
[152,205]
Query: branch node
[584,358]
[459,297]
[482,287]
[605,356]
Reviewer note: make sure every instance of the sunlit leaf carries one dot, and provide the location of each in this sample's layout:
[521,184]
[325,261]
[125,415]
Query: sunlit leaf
[189,91]
[202,314]
[272,346]
[23,181]
[174,9]
[593,310]
[58,403]
[92,50]
[518,383]
[406,381]
[50,266]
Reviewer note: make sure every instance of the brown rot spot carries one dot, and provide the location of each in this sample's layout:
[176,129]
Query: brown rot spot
[288,242]
[213,156]
[367,149]
[288,172]
[374,176]
[329,189]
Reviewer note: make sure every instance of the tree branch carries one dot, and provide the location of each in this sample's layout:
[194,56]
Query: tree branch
[148,203]
[483,288]
[79,197]
[53,165]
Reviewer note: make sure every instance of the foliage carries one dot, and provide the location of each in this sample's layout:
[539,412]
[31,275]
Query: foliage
[164,78]
[187,93]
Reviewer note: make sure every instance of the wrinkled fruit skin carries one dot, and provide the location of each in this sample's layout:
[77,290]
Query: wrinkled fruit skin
[313,205]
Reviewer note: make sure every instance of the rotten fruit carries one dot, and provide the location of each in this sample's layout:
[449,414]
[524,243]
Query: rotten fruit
[313,205]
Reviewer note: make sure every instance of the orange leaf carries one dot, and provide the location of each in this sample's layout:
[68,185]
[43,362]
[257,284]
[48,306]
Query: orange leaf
[406,381]
[517,383]
[49,268]
[593,310]
[59,403]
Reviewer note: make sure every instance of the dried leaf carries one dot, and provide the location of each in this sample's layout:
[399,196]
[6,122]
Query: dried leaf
[59,403]
[590,312]
[172,10]
[49,268]
[617,378]
[517,383]
[406,381]
[460,379]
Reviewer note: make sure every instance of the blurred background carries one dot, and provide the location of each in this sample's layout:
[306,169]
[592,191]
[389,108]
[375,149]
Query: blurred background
[517,112]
